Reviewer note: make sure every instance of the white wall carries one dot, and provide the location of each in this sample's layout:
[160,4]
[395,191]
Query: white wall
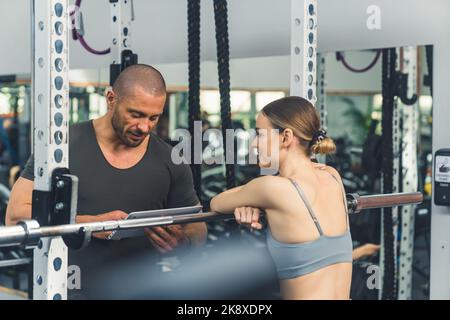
[263,72]
[258,28]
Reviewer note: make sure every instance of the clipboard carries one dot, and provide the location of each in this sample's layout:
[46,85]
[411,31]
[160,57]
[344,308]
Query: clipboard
[132,233]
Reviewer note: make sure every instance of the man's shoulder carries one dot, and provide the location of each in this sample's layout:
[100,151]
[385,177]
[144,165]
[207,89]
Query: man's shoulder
[165,153]
[160,144]
[80,126]
[79,130]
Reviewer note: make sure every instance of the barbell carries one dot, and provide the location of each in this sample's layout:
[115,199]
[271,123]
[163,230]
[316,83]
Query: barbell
[29,232]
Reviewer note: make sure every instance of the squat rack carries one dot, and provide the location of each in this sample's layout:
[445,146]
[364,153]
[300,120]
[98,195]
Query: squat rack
[55,194]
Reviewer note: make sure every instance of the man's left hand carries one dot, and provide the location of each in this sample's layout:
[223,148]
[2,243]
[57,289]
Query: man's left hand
[167,238]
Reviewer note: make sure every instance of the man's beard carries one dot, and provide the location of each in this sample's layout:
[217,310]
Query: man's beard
[119,130]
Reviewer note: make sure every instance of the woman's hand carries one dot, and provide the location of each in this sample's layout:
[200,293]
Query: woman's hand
[248,216]
[366,250]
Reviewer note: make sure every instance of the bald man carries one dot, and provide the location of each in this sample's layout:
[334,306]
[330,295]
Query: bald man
[122,167]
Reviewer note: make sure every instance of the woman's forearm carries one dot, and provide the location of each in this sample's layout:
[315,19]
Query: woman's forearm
[217,201]
[253,194]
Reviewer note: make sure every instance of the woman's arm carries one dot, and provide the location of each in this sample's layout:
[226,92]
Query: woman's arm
[232,190]
[365,250]
[258,193]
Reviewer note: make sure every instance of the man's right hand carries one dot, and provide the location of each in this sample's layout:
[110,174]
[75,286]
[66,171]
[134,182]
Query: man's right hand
[20,201]
[108,216]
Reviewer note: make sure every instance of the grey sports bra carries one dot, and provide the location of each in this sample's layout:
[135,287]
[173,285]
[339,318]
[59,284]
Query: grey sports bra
[297,259]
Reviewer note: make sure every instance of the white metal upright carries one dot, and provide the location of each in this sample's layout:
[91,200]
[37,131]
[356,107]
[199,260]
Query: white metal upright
[50,107]
[321,104]
[304,49]
[409,119]
[122,15]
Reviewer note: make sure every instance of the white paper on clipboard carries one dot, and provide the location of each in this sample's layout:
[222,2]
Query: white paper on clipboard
[131,233]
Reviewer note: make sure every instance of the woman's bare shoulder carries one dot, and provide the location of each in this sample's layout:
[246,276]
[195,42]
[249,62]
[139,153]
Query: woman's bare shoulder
[270,181]
[270,187]
[330,170]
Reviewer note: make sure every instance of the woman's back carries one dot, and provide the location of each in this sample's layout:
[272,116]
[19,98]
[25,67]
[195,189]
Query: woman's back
[309,237]
[291,222]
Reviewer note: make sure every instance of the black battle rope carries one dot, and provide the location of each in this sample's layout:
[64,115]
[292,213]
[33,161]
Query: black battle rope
[223,56]
[429,55]
[389,291]
[194,83]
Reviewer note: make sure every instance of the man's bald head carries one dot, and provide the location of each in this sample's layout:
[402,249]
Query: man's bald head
[135,103]
[139,76]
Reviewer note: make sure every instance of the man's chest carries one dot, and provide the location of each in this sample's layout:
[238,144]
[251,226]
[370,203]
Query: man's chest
[123,159]
[103,187]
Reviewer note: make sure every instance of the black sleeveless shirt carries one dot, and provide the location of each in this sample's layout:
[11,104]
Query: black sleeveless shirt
[155,182]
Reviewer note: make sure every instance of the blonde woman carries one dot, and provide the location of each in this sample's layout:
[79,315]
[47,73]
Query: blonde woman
[308,233]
